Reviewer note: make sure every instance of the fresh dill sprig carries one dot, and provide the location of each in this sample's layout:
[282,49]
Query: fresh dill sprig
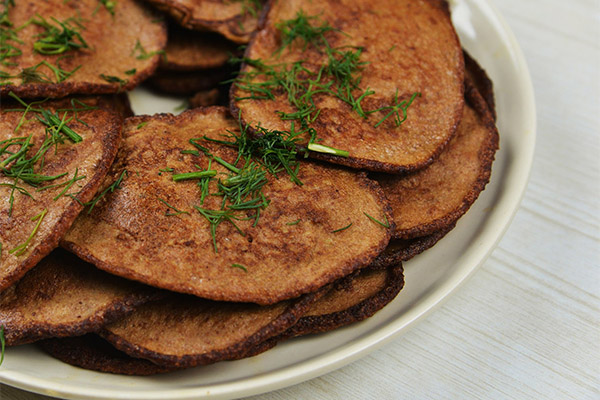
[114,186]
[34,75]
[215,217]
[58,37]
[7,34]
[301,28]
[385,225]
[140,53]
[240,266]
[342,229]
[398,109]
[20,249]
[108,4]
[115,79]
[170,214]
[296,222]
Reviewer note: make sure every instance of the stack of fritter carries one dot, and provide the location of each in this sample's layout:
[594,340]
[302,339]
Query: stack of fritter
[354,140]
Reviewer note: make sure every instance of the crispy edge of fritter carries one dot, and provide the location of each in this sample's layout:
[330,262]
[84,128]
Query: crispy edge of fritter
[399,250]
[481,81]
[114,130]
[229,28]
[16,334]
[93,353]
[486,156]
[240,350]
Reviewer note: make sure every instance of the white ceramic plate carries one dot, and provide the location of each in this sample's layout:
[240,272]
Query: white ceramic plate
[430,277]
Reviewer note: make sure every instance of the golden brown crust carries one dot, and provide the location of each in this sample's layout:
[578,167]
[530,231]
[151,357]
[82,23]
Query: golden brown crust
[283,260]
[94,353]
[432,199]
[223,16]
[200,331]
[92,158]
[411,47]
[111,51]
[63,296]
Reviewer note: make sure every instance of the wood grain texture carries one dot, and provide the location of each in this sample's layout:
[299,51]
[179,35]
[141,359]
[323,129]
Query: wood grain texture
[526,326]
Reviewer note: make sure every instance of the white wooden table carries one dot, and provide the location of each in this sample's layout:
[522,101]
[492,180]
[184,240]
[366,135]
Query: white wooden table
[527,325]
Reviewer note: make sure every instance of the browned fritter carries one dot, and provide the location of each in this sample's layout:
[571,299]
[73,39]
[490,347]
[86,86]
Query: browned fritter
[189,50]
[408,46]
[185,331]
[399,250]
[91,158]
[234,19]
[292,250]
[126,41]
[64,296]
[94,353]
[187,82]
[432,199]
[479,78]
[353,299]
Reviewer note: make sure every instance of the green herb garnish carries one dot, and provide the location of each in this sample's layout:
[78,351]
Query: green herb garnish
[385,225]
[240,266]
[58,38]
[114,186]
[115,79]
[342,229]
[2,340]
[141,54]
[169,214]
[20,249]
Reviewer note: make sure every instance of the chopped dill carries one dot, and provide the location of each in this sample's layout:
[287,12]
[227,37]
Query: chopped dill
[58,37]
[342,229]
[140,53]
[385,225]
[34,75]
[131,71]
[20,249]
[114,186]
[108,4]
[115,79]
[194,175]
[170,214]
[395,110]
[141,125]
[296,222]
[240,266]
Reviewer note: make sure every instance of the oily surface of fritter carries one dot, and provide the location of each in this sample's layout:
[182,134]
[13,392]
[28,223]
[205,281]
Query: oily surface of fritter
[94,353]
[189,50]
[291,250]
[34,218]
[64,296]
[121,48]
[434,198]
[408,47]
[236,20]
[200,331]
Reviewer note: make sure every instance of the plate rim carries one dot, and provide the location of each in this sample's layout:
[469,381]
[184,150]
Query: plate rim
[372,340]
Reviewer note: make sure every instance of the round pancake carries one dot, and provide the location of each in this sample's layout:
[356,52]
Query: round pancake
[123,49]
[234,19]
[94,353]
[353,299]
[64,296]
[185,331]
[432,199]
[409,47]
[296,247]
[191,50]
[91,158]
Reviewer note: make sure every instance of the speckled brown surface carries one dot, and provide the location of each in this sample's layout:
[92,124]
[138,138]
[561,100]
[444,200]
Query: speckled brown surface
[410,46]
[64,296]
[92,352]
[111,40]
[431,200]
[90,158]
[283,260]
[223,16]
[200,331]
